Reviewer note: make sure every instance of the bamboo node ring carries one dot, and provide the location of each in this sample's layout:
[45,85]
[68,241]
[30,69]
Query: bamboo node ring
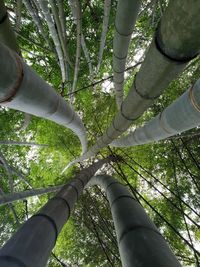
[122,34]
[162,124]
[144,96]
[193,100]
[52,222]
[127,118]
[160,47]
[13,91]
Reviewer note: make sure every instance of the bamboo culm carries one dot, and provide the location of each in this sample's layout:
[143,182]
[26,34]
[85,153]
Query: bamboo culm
[107,7]
[22,89]
[165,124]
[31,245]
[15,196]
[44,7]
[140,243]
[127,11]
[7,35]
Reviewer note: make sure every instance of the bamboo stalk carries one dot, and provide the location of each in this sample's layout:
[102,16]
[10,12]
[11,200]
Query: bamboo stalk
[166,124]
[140,243]
[126,15]
[32,243]
[107,7]
[15,196]
[7,35]
[54,35]
[22,89]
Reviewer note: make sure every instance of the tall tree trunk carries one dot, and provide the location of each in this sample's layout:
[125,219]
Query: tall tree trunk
[32,244]
[140,242]
[22,89]
[180,116]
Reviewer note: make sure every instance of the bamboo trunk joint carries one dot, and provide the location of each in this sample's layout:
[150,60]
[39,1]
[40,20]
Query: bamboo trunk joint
[122,34]
[125,117]
[118,72]
[115,182]
[3,19]
[118,130]
[120,58]
[11,259]
[81,181]
[193,100]
[161,48]
[52,222]
[120,197]
[144,96]
[136,227]
[162,124]
[75,189]
[11,93]
[65,201]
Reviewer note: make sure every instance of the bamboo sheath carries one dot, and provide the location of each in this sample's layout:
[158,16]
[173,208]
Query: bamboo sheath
[140,243]
[176,42]
[22,89]
[180,116]
[127,11]
[31,245]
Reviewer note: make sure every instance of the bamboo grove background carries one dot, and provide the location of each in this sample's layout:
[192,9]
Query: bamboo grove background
[163,176]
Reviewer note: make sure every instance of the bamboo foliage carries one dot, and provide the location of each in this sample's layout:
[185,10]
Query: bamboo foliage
[175,44]
[187,110]
[45,9]
[139,241]
[107,7]
[126,15]
[22,89]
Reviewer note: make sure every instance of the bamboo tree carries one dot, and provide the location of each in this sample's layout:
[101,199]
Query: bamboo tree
[76,11]
[60,33]
[126,15]
[139,241]
[22,89]
[18,143]
[173,46]
[107,7]
[54,35]
[165,124]
[7,35]
[32,244]
[12,197]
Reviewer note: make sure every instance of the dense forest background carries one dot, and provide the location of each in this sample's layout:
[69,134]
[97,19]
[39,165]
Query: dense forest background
[164,175]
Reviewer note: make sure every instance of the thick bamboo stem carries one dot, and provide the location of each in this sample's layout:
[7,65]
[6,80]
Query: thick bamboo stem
[166,124]
[22,89]
[140,242]
[32,244]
